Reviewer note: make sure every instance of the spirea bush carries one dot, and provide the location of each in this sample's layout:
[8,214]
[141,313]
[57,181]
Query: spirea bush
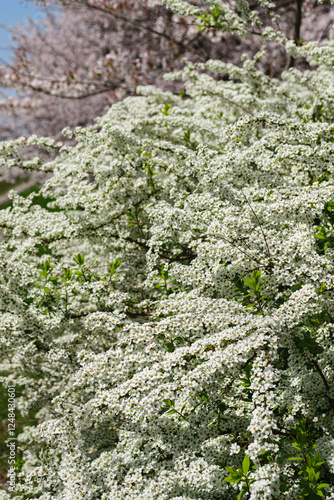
[170,312]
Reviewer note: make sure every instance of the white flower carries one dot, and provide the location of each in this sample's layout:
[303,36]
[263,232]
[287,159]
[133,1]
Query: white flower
[235,448]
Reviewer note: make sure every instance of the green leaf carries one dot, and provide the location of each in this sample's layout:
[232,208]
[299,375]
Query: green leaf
[242,494]
[170,346]
[250,283]
[171,411]
[213,424]
[222,407]
[322,485]
[114,265]
[67,274]
[183,407]
[231,469]
[248,369]
[79,259]
[245,464]
[186,136]
[296,445]
[235,478]
[228,479]
[295,458]
[245,382]
[165,109]
[314,496]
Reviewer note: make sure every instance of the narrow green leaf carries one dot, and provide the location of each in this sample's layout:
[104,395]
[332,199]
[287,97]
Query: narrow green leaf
[231,469]
[169,346]
[245,464]
[171,412]
[228,480]
[242,494]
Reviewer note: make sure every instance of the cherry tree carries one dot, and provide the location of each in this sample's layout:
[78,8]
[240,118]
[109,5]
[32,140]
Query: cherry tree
[70,66]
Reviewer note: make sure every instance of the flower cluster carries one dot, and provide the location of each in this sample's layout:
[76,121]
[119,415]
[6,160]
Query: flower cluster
[171,288]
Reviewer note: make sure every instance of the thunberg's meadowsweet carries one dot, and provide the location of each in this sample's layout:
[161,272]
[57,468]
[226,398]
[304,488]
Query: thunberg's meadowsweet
[171,311]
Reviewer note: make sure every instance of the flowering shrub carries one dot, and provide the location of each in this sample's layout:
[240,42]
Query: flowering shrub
[170,313]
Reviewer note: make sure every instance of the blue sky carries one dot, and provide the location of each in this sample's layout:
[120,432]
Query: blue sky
[11,12]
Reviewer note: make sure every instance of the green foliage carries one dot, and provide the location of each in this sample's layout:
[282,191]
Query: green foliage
[251,296]
[246,382]
[242,476]
[114,266]
[307,340]
[309,473]
[79,259]
[210,19]
[164,283]
[165,109]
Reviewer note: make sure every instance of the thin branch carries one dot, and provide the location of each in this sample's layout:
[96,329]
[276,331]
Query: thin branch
[298,22]
[230,102]
[135,23]
[323,378]
[107,86]
[235,246]
[325,32]
[258,220]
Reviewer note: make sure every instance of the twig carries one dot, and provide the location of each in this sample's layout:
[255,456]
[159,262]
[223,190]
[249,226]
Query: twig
[235,246]
[230,102]
[298,22]
[323,378]
[264,236]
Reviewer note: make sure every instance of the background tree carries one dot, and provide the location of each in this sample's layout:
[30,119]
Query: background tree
[70,66]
